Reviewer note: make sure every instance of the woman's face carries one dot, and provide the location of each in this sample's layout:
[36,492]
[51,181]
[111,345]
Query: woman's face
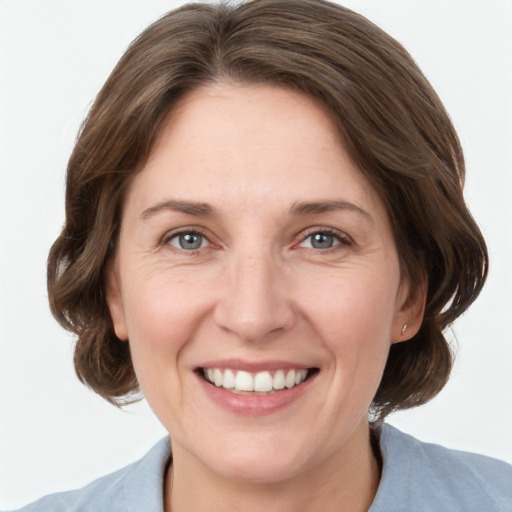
[253,252]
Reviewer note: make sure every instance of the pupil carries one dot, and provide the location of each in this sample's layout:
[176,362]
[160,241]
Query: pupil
[190,241]
[322,241]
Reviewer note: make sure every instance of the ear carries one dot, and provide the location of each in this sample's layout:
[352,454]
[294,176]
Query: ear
[410,310]
[115,302]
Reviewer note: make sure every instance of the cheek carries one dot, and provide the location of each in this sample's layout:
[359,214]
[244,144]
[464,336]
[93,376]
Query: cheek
[352,307]
[162,314]
[353,316]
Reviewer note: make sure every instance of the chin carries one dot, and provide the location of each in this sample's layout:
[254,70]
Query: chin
[261,462]
[257,471]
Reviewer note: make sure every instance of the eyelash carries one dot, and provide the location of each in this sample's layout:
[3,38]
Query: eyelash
[342,238]
[175,234]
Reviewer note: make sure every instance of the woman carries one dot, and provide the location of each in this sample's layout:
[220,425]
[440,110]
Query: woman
[266,231]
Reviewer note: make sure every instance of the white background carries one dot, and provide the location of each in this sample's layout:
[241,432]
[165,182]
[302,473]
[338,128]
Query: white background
[55,55]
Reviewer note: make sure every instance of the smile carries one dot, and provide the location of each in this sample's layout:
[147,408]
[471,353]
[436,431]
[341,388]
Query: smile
[267,382]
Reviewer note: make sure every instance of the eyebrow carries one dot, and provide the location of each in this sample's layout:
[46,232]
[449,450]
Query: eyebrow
[188,207]
[308,208]
[297,209]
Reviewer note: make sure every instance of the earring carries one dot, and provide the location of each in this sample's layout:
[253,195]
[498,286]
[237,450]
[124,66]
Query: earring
[404,328]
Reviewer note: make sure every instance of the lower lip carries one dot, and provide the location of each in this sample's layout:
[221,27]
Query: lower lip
[255,405]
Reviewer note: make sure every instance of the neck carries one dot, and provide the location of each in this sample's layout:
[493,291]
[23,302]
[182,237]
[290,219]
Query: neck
[346,481]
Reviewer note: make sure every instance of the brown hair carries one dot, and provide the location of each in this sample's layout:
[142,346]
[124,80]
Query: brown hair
[391,121]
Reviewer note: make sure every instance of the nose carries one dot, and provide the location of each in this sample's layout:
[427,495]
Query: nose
[255,302]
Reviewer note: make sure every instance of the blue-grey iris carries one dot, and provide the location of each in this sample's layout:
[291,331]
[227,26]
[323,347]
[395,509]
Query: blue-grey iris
[190,241]
[322,241]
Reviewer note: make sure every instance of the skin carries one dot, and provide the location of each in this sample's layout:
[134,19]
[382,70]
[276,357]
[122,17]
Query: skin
[257,290]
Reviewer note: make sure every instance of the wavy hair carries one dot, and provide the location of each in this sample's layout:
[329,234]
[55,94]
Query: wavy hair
[390,120]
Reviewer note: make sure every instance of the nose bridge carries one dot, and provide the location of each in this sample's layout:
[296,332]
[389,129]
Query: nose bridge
[254,303]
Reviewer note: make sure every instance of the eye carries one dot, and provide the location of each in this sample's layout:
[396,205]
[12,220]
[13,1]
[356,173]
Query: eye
[324,239]
[188,241]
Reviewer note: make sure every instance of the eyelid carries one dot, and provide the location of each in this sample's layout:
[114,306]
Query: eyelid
[341,236]
[184,230]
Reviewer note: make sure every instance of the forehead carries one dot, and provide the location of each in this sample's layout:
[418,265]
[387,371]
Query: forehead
[250,145]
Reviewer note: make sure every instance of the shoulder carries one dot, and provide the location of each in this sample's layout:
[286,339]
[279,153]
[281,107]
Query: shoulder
[423,476]
[138,486]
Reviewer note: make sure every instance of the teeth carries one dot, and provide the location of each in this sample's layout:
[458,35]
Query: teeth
[229,380]
[261,382]
[244,381]
[300,376]
[290,379]
[279,380]
[217,377]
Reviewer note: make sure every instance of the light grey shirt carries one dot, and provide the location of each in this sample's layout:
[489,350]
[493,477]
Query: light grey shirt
[416,477]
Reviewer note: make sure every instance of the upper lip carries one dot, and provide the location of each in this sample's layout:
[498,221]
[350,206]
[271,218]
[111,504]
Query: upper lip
[254,366]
